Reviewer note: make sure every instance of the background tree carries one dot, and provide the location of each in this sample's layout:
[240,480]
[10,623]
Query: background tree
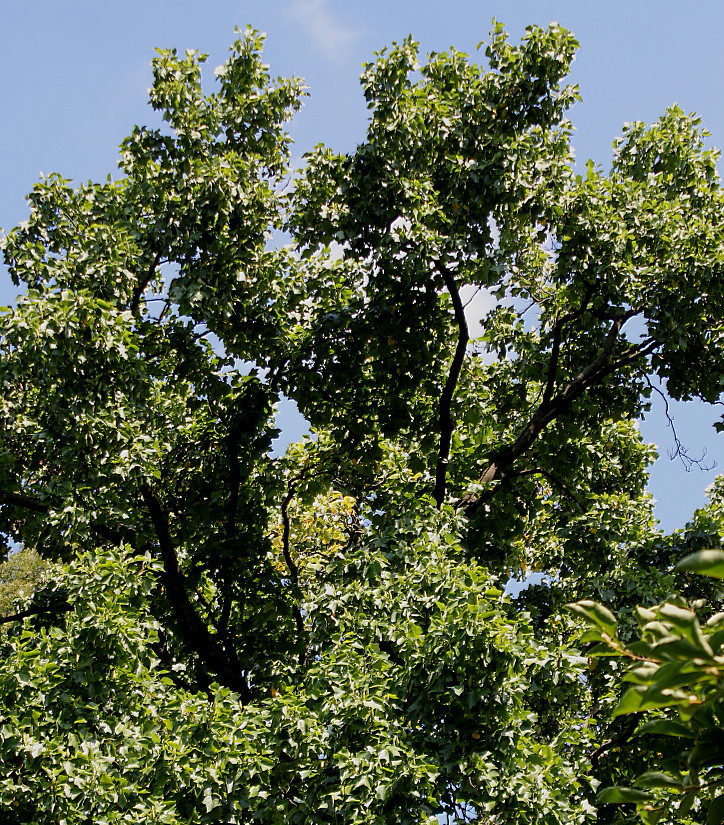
[324,636]
[20,575]
[676,671]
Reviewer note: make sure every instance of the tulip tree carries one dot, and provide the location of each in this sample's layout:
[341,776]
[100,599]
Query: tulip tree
[675,679]
[230,635]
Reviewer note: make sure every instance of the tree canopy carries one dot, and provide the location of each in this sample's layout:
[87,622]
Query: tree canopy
[229,635]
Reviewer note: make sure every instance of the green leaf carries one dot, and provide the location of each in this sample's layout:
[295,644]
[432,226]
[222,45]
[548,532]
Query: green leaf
[667,727]
[642,673]
[707,755]
[704,563]
[621,795]
[638,699]
[687,623]
[657,779]
[676,675]
[630,702]
[682,650]
[601,650]
[595,614]
[715,811]
[687,802]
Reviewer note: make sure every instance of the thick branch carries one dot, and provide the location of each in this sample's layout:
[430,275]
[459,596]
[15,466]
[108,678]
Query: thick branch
[445,422]
[549,410]
[553,363]
[37,611]
[556,348]
[24,502]
[35,506]
[141,286]
[194,633]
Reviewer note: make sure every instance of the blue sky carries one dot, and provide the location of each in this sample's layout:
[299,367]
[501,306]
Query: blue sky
[74,79]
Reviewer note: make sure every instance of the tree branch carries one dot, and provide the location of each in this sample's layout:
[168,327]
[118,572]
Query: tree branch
[446,426]
[509,477]
[22,501]
[293,573]
[553,363]
[141,286]
[232,505]
[556,348]
[37,611]
[36,506]
[549,410]
[679,450]
[221,662]
[622,731]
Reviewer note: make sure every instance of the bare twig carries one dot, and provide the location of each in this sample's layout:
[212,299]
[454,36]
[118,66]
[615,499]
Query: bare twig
[679,450]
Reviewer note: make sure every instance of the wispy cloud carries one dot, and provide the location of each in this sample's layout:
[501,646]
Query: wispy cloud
[329,35]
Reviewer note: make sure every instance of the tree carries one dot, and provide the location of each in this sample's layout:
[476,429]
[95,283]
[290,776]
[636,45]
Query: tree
[20,576]
[676,676]
[324,636]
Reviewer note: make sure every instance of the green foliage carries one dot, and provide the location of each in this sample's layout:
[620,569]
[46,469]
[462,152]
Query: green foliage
[676,664]
[322,637]
[20,575]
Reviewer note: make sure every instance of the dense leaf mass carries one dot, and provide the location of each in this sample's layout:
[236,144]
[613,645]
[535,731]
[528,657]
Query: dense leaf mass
[229,635]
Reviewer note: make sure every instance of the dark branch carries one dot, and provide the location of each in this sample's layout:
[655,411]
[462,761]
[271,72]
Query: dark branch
[622,731]
[22,501]
[55,610]
[679,451]
[446,426]
[34,505]
[286,530]
[594,373]
[553,363]
[146,280]
[556,348]
[221,662]
[232,505]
